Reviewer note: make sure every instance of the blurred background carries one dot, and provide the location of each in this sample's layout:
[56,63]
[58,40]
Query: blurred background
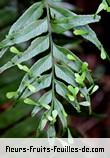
[17,121]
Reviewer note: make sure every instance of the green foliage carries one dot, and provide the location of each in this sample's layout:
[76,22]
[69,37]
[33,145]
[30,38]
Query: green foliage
[103,6]
[58,73]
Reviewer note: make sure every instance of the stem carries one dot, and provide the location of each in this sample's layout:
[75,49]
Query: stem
[51,49]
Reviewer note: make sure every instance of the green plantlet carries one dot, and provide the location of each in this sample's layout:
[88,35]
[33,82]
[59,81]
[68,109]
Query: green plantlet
[45,106]
[84,67]
[15,50]
[20,66]
[26,69]
[31,88]
[29,101]
[71,57]
[102,6]
[80,78]
[23,67]
[80,32]
[74,91]
[71,89]
[11,95]
[50,118]
[70,97]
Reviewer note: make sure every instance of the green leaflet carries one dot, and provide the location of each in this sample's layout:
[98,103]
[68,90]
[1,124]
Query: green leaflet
[85,93]
[45,82]
[65,74]
[46,98]
[32,14]
[38,46]
[62,25]
[62,90]
[102,6]
[28,32]
[68,19]
[61,53]
[65,14]
[36,70]
[91,36]
[80,24]
[61,113]
[45,118]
